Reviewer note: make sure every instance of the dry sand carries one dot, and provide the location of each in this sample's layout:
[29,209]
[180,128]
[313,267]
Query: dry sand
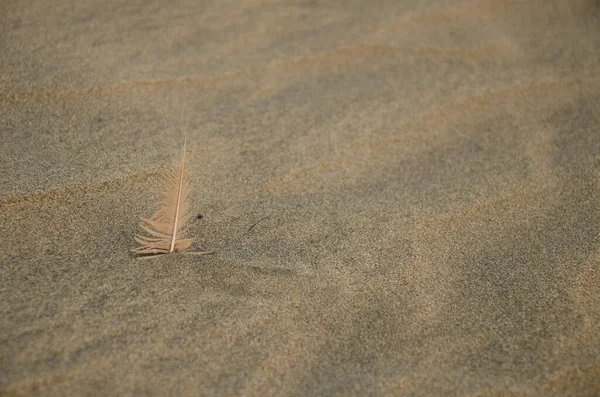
[404,197]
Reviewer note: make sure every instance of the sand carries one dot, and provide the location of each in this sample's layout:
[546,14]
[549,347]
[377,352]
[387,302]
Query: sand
[403,197]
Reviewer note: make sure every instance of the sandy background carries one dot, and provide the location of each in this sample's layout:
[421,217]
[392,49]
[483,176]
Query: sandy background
[404,197]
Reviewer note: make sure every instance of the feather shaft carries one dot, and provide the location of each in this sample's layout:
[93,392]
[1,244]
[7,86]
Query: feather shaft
[179,190]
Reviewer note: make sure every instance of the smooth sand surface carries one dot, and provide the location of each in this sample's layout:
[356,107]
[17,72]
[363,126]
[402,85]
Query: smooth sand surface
[403,197]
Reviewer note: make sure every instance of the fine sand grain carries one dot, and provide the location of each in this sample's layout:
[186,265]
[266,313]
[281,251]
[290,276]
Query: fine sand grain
[403,197]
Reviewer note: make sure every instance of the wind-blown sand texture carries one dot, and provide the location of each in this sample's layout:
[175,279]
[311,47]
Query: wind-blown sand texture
[403,197]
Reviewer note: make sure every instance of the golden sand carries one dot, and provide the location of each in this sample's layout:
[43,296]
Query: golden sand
[403,198]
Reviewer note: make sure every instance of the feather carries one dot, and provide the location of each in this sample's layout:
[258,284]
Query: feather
[167,227]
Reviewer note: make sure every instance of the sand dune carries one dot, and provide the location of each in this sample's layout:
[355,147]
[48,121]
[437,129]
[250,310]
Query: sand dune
[403,197]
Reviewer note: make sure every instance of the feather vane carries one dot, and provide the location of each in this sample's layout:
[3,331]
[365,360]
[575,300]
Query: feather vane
[167,227]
